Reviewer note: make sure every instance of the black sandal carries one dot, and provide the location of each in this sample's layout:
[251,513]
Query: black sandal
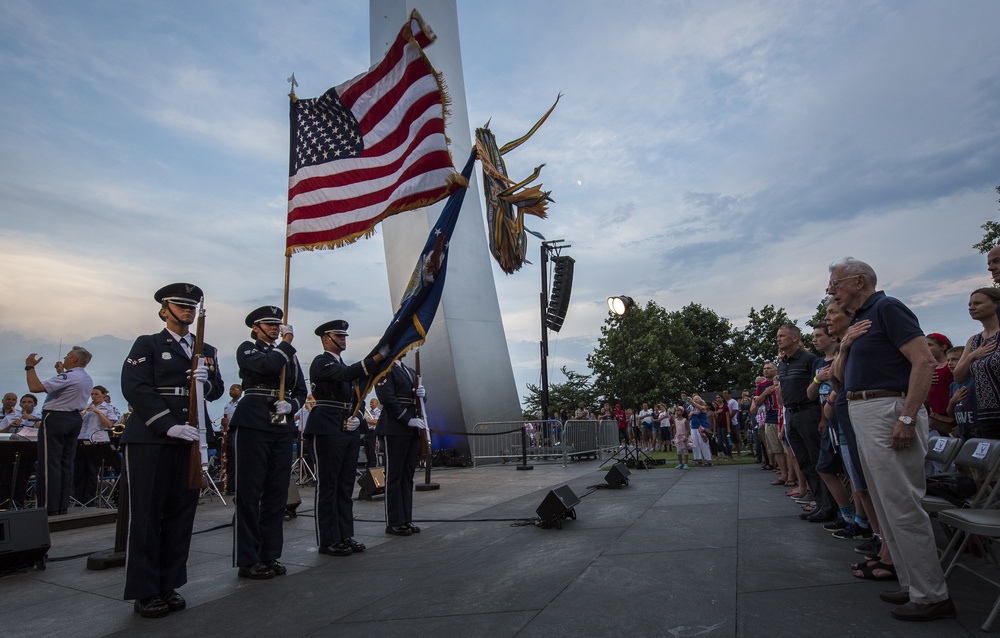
[868,571]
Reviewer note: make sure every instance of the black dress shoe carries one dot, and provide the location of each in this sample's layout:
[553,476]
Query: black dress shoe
[175,602]
[923,612]
[898,597]
[257,571]
[355,545]
[276,567]
[398,530]
[152,607]
[340,549]
[413,528]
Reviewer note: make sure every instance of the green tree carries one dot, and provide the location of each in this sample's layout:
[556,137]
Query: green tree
[577,388]
[757,343]
[991,236]
[711,355]
[632,363]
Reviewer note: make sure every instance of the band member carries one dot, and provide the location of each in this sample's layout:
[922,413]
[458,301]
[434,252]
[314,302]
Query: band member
[65,399]
[368,440]
[332,433]
[23,422]
[157,441]
[235,394]
[263,433]
[400,431]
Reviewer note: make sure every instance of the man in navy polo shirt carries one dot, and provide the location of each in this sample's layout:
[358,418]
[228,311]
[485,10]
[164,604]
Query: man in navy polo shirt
[802,416]
[886,375]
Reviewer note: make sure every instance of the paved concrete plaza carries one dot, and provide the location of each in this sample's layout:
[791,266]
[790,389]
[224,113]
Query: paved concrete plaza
[704,552]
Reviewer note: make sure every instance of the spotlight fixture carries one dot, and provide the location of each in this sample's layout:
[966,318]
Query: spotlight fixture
[620,305]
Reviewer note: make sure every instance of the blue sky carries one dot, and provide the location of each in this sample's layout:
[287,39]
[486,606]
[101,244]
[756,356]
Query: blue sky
[722,153]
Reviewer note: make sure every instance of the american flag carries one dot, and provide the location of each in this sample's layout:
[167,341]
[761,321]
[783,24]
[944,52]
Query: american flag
[370,148]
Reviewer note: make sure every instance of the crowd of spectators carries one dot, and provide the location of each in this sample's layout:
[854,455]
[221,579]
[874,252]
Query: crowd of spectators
[717,429]
[848,429]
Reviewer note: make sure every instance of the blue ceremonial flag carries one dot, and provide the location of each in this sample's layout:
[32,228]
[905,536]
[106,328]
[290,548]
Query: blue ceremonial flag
[423,294]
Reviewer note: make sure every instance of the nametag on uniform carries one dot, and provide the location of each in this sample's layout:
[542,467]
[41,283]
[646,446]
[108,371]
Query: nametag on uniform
[939,444]
[166,356]
[981,450]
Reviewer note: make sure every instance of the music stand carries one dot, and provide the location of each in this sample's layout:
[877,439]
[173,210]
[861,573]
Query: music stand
[19,454]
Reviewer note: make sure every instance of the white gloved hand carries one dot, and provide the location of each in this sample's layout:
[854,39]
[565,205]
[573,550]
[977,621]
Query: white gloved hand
[183,432]
[351,424]
[286,330]
[417,423]
[384,351]
[282,407]
[420,392]
[201,373]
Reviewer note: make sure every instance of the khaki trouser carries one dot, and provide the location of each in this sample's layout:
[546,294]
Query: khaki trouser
[896,483]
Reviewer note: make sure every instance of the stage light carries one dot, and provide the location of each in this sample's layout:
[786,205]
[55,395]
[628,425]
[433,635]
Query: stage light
[620,305]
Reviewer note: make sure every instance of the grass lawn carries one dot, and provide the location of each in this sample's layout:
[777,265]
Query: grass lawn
[745,458]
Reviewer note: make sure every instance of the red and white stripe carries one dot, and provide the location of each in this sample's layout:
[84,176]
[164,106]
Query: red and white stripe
[405,164]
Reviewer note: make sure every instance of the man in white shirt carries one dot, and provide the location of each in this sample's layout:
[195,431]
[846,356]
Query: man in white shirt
[66,397]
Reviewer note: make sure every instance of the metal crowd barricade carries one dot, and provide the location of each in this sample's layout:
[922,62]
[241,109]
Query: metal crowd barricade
[497,441]
[607,434]
[501,441]
[588,439]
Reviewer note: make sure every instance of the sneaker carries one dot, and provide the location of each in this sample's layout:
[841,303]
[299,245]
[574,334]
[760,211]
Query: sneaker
[679,466]
[836,525]
[870,546]
[685,466]
[854,532]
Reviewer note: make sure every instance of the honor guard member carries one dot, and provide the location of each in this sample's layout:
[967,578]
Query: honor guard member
[332,432]
[65,399]
[156,381]
[263,433]
[400,431]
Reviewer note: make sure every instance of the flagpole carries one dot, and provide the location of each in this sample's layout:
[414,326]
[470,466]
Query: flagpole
[288,255]
[284,310]
[427,485]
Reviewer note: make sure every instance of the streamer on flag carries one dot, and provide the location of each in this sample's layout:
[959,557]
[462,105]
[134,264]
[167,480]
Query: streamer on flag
[370,148]
[420,300]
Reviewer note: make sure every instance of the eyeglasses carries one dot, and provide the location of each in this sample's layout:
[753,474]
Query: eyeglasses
[834,283]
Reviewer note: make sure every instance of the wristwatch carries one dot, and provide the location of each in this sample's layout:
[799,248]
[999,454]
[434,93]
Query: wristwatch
[905,420]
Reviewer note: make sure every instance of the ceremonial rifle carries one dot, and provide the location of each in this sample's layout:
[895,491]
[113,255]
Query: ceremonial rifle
[198,463]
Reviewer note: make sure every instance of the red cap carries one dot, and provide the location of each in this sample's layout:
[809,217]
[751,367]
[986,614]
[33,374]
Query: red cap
[940,338]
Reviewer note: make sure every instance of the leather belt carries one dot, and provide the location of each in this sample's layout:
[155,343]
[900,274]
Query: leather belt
[864,395]
[261,392]
[799,407]
[174,392]
[333,404]
[409,401]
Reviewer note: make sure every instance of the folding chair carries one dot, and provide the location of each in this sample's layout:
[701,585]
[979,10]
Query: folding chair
[967,523]
[981,455]
[943,450]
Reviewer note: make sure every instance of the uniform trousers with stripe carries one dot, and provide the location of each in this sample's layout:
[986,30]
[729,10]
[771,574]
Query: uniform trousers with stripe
[401,456]
[56,452]
[263,472]
[336,469]
[161,514]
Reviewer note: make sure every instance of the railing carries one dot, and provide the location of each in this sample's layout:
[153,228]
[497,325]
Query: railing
[547,440]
